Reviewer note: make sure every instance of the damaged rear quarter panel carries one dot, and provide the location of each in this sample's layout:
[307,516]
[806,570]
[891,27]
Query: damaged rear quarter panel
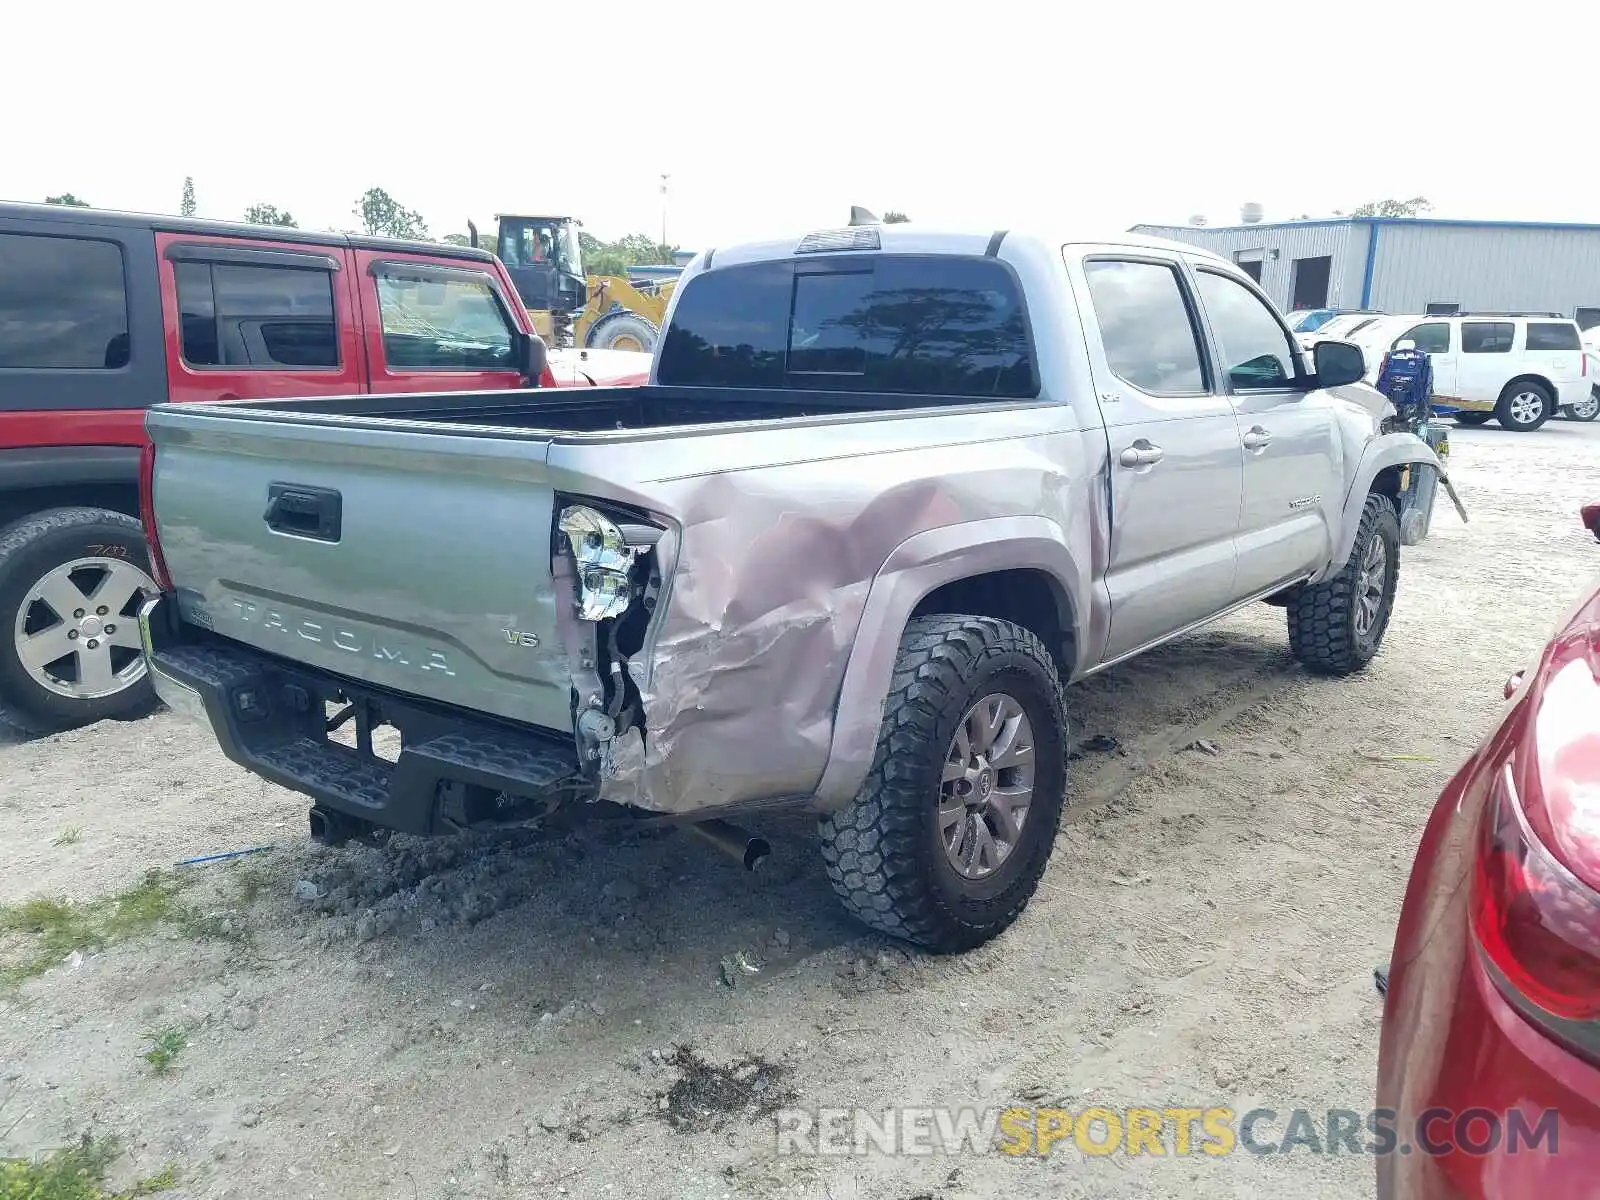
[775,535]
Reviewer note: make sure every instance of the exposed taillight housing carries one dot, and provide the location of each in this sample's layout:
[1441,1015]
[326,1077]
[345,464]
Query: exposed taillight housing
[147,515]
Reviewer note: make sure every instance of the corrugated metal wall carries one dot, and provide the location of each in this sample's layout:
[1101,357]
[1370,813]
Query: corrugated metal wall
[1486,268]
[1343,241]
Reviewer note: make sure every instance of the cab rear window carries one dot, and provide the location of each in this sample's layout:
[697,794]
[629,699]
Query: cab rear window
[940,326]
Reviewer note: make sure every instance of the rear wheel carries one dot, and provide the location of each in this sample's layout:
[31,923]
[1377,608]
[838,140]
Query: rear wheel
[1524,406]
[71,582]
[1473,418]
[1585,411]
[949,835]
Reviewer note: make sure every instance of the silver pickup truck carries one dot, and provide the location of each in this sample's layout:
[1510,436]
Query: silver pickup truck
[886,492]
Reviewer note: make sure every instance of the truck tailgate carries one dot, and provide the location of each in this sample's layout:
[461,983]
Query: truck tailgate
[402,555]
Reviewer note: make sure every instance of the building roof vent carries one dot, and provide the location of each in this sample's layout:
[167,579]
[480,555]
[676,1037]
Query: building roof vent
[1250,213]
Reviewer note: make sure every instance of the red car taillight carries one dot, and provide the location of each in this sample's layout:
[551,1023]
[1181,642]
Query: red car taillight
[1536,879]
[1537,922]
[147,514]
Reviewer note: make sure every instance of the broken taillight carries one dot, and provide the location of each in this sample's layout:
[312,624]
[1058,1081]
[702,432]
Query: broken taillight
[147,515]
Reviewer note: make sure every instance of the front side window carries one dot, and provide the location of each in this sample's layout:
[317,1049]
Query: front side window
[256,317]
[435,323]
[1145,326]
[900,324]
[63,303]
[1487,337]
[1255,349]
[1553,335]
[1432,338]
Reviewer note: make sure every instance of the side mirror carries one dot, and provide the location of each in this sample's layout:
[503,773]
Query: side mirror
[1338,364]
[531,356]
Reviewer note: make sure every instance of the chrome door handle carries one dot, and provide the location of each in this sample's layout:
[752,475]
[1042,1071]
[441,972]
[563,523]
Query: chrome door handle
[1257,439]
[1141,454]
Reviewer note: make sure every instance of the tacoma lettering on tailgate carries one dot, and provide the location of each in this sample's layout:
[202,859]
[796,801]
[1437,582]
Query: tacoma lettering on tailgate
[340,638]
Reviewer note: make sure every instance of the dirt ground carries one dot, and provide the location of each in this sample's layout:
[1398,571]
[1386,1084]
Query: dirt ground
[517,1015]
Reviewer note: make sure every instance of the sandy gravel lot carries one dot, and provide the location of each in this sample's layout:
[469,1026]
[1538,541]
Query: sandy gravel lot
[521,1015]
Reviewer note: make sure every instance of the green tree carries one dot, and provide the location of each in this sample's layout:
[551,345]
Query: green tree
[614,258]
[269,214]
[458,239]
[186,206]
[892,217]
[382,215]
[68,199]
[1392,208]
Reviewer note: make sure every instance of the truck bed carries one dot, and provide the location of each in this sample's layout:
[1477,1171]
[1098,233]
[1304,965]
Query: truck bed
[597,410]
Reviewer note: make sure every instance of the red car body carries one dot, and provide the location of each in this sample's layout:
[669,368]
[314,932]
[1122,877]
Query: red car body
[1489,1065]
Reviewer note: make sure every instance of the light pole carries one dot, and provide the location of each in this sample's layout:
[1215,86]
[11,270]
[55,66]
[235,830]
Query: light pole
[664,179]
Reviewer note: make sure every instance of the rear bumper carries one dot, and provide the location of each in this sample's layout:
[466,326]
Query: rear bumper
[270,716]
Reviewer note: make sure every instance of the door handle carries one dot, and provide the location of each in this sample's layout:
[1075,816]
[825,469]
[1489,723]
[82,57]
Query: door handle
[309,512]
[1141,454]
[1257,439]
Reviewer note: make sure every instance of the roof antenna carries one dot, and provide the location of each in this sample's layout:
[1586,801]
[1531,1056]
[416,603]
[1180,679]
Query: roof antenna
[860,216]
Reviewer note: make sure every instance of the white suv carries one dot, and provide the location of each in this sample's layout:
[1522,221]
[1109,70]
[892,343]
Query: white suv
[1518,370]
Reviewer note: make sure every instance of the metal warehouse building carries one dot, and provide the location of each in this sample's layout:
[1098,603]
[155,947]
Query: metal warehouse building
[1413,264]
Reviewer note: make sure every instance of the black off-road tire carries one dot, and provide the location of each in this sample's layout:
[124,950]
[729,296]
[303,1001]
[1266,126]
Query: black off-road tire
[29,549]
[883,852]
[1322,619]
[1473,418]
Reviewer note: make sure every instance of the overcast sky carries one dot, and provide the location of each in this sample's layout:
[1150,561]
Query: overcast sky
[773,117]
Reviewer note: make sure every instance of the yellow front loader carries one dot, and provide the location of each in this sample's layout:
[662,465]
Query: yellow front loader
[568,307]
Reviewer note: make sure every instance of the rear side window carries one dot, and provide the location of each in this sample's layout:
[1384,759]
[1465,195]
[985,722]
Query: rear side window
[1432,338]
[1487,337]
[1255,349]
[1145,326]
[442,323]
[897,323]
[1552,335]
[63,303]
[256,317]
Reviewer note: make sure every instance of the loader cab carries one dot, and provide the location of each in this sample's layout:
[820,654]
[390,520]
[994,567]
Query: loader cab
[545,262]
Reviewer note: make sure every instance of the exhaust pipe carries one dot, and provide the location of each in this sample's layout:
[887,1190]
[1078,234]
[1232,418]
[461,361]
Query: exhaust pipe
[738,844]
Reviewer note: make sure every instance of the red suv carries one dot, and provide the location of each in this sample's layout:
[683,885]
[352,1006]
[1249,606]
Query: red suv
[103,313]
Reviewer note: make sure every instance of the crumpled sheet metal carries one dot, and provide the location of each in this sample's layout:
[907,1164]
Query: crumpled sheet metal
[740,684]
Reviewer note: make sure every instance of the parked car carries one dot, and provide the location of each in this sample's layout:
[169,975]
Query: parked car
[1493,997]
[1342,327]
[886,492]
[103,314]
[1311,320]
[1513,369]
